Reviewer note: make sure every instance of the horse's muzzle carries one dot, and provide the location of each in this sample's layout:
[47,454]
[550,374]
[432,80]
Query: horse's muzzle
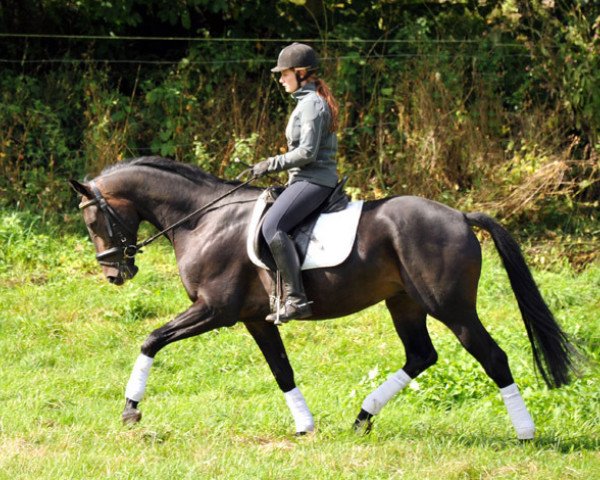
[129,270]
[118,273]
[117,264]
[116,279]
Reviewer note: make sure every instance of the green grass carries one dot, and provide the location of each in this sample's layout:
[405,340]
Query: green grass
[68,341]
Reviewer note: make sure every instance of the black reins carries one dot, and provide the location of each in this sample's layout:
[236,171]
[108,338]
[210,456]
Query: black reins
[115,224]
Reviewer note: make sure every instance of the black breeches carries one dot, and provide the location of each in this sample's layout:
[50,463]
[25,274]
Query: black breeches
[294,204]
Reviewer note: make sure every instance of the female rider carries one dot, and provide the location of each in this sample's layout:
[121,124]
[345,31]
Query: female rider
[310,162]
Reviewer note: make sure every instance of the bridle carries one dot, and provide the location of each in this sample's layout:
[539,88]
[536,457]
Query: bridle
[123,254]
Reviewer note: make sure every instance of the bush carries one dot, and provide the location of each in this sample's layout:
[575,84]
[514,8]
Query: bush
[505,119]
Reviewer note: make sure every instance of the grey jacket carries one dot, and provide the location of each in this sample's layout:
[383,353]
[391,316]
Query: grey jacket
[311,145]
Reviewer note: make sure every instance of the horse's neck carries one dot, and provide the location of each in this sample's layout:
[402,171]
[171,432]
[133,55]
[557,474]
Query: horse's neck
[159,198]
[163,198]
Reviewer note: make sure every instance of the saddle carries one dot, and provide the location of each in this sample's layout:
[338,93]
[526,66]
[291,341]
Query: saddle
[336,206]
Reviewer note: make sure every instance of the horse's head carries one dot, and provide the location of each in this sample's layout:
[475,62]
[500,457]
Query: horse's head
[113,230]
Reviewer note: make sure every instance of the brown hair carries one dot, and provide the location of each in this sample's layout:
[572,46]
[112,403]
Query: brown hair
[325,92]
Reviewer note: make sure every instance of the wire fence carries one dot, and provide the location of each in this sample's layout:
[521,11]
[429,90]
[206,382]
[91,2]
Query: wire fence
[348,42]
[83,61]
[356,56]
[260,40]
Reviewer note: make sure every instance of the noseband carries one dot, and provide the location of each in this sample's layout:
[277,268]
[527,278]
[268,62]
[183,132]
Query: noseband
[117,231]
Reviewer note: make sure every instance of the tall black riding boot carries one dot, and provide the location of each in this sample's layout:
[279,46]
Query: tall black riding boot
[285,256]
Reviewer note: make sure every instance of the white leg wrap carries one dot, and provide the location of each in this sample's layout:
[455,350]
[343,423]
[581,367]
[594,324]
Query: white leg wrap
[384,393]
[139,375]
[517,411]
[299,408]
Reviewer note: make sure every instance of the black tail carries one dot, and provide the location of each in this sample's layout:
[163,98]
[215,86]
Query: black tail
[552,352]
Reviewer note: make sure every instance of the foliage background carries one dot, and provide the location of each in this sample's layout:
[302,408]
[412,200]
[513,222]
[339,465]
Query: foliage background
[479,104]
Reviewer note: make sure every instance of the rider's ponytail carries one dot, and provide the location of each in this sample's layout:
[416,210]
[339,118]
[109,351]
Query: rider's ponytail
[325,92]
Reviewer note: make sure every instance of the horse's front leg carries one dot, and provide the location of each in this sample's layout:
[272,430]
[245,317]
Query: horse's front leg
[197,319]
[269,341]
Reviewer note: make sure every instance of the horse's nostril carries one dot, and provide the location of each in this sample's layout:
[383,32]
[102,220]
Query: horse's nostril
[118,280]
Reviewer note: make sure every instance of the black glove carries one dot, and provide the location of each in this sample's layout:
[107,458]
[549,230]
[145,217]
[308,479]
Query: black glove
[261,168]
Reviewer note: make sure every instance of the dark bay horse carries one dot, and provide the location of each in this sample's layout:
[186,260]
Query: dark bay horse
[419,256]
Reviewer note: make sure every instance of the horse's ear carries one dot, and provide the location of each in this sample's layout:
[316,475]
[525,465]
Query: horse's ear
[81,188]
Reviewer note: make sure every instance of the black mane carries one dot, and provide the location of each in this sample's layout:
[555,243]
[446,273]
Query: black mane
[185,170]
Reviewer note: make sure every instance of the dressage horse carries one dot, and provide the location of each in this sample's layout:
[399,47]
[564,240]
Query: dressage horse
[418,256]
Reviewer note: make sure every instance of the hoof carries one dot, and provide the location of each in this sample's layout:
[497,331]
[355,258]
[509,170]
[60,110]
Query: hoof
[363,427]
[304,433]
[131,415]
[363,423]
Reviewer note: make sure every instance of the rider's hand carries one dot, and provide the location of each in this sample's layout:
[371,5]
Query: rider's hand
[261,168]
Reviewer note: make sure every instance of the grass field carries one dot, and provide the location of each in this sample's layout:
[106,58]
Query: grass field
[68,341]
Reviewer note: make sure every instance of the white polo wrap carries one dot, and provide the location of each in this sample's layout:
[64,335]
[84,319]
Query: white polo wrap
[384,393]
[517,411]
[299,408]
[139,375]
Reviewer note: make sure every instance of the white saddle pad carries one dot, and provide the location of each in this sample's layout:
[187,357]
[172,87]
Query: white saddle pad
[331,240]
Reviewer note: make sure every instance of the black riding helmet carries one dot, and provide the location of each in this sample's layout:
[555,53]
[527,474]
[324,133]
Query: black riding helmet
[297,55]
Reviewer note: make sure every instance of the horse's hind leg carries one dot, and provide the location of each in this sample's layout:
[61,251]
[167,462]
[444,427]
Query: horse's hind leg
[479,343]
[409,321]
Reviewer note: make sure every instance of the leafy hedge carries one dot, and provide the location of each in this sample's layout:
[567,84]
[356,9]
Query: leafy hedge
[486,103]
